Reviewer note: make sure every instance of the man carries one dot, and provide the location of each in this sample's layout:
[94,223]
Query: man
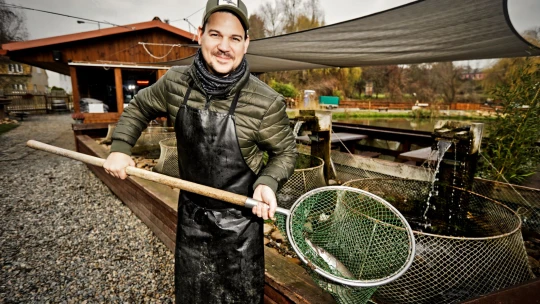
[224,120]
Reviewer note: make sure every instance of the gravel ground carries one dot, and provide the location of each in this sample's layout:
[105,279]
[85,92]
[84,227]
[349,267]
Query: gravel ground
[64,236]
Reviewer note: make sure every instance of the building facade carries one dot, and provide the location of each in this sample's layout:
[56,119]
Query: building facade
[15,76]
[39,81]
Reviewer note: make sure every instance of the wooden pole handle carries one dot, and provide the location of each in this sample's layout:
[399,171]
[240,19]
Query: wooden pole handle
[218,194]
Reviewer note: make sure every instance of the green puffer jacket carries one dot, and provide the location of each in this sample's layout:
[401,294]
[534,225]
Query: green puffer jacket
[261,121]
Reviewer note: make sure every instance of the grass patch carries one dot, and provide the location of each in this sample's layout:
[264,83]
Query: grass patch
[6,127]
[404,114]
[345,115]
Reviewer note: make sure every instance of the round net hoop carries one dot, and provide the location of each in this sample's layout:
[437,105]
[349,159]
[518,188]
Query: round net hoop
[350,236]
[448,268]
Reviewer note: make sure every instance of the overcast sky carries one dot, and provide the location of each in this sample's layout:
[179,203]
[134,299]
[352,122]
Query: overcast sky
[524,13]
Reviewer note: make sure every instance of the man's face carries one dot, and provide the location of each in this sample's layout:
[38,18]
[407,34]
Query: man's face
[223,44]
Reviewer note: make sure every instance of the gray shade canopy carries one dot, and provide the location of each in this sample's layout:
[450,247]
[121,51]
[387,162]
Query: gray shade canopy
[421,31]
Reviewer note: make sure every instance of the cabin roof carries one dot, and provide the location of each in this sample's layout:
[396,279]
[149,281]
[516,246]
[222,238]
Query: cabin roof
[117,30]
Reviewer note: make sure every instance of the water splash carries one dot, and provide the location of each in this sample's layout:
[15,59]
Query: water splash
[454,180]
[442,147]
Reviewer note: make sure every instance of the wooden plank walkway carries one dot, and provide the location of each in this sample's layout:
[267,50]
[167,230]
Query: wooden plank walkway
[418,156]
[335,138]
[346,141]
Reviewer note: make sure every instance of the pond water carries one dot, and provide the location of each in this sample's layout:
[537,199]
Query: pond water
[402,123]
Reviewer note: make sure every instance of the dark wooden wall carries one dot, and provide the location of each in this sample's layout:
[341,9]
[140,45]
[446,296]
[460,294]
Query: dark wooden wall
[122,47]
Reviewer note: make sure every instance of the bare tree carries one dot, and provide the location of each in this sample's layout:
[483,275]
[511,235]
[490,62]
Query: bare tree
[395,82]
[301,15]
[287,16]
[314,11]
[12,28]
[291,10]
[446,78]
[419,83]
[12,24]
[272,18]
[378,75]
[256,27]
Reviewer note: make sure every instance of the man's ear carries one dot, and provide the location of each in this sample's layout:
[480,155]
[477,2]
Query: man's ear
[200,33]
[247,44]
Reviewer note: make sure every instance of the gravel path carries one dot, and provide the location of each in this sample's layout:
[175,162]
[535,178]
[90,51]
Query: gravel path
[64,236]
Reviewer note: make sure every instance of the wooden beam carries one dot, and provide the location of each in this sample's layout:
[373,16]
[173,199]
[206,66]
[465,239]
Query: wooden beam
[119,90]
[75,89]
[111,117]
[321,148]
[160,73]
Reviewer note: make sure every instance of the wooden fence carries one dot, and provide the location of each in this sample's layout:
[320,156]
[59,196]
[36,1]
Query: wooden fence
[375,104]
[38,102]
[466,106]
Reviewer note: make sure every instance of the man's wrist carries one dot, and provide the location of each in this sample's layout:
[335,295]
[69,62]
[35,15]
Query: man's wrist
[121,146]
[266,180]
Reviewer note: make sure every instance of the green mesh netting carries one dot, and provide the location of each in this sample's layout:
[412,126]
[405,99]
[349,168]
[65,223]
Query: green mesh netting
[347,237]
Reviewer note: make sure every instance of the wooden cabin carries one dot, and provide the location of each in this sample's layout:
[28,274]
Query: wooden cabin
[109,65]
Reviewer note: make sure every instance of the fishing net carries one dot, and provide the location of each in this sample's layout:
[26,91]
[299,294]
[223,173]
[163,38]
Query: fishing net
[349,240]
[308,175]
[148,143]
[168,159]
[460,254]
[525,201]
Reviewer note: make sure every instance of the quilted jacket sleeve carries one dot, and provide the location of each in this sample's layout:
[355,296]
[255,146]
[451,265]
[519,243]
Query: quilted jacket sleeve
[276,137]
[148,104]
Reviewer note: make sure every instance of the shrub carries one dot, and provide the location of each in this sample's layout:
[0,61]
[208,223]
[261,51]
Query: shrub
[511,153]
[285,89]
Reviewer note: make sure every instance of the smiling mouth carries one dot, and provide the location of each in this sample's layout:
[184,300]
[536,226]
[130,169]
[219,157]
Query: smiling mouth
[222,56]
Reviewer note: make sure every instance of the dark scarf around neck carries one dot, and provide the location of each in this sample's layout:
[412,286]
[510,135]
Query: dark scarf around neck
[215,85]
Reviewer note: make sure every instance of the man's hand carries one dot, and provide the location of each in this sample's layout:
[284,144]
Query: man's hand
[116,164]
[265,194]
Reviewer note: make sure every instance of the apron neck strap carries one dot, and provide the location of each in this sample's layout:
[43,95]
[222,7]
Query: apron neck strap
[188,92]
[235,101]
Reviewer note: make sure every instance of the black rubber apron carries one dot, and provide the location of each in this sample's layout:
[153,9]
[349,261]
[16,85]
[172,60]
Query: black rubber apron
[219,256]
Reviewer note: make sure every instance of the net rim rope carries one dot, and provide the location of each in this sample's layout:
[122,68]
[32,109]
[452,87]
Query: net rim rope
[349,282]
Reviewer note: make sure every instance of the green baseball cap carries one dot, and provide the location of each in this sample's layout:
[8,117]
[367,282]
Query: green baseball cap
[236,6]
